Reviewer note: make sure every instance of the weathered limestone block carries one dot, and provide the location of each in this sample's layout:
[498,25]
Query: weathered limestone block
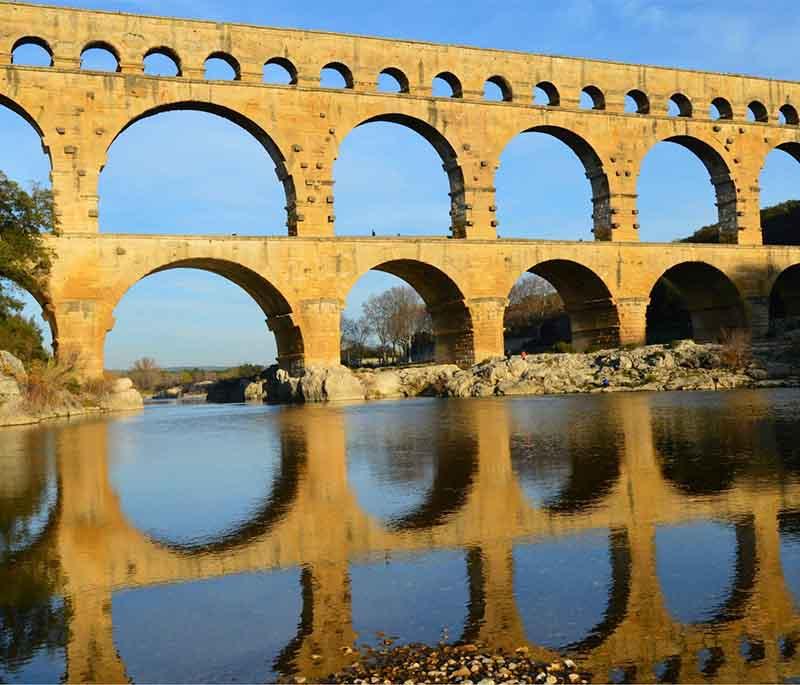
[330,384]
[122,397]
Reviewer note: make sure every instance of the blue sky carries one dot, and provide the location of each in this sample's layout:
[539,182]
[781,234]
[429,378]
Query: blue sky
[388,179]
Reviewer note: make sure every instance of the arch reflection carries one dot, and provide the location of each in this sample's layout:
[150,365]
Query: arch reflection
[566,453]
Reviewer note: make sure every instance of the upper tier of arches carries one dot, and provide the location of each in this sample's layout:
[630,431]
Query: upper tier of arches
[65,34]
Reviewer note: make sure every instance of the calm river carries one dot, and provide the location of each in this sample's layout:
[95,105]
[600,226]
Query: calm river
[655,536]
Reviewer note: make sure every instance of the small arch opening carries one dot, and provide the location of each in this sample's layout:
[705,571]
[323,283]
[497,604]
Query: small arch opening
[447,85]
[636,102]
[720,108]
[680,106]
[336,75]
[32,51]
[497,89]
[100,56]
[392,80]
[787,116]
[162,62]
[280,71]
[593,98]
[220,66]
[546,94]
[757,112]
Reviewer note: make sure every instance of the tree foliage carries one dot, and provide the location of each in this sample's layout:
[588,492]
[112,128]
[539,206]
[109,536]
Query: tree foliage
[25,261]
[780,225]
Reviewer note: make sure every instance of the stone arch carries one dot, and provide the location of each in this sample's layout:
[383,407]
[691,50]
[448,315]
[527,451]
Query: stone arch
[696,300]
[32,40]
[683,105]
[19,110]
[757,111]
[445,301]
[789,115]
[449,157]
[502,83]
[456,89]
[399,76]
[721,178]
[170,54]
[594,321]
[551,93]
[105,46]
[784,300]
[595,172]
[230,60]
[281,317]
[722,107]
[640,101]
[254,129]
[597,97]
[287,65]
[344,71]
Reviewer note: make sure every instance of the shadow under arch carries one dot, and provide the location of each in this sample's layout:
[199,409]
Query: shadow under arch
[445,302]
[449,157]
[593,316]
[694,300]
[720,176]
[595,173]
[279,314]
[266,141]
[283,494]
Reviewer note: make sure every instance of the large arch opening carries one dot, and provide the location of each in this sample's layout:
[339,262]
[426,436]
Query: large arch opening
[780,197]
[389,180]
[541,187]
[694,300]
[784,301]
[158,179]
[213,318]
[27,324]
[690,211]
[560,304]
[406,311]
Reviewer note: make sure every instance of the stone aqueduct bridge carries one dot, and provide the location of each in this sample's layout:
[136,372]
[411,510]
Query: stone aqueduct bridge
[312,517]
[301,280]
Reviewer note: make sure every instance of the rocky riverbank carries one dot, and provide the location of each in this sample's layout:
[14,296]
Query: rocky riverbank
[683,365]
[18,408]
[468,664]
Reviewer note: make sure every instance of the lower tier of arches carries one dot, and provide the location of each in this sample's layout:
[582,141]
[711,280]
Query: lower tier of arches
[611,297]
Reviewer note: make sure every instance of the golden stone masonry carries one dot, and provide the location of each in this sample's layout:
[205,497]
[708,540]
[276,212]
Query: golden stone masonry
[301,279]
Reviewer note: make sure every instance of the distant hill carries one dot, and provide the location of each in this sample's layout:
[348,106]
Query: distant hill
[780,225]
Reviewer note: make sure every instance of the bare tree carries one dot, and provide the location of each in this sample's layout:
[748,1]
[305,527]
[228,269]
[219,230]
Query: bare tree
[355,334]
[394,317]
[531,301]
[145,373]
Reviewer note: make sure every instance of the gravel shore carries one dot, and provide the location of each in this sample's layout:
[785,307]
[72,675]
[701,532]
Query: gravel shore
[468,664]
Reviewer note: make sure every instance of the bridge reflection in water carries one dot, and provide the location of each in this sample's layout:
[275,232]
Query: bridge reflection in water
[625,472]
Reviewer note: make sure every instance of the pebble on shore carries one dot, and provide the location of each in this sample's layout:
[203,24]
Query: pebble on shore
[468,664]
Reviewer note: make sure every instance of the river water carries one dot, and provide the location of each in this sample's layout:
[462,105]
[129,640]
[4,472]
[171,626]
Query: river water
[654,536]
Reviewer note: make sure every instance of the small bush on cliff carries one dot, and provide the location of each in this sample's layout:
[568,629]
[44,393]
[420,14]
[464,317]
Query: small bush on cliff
[736,351]
[52,384]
